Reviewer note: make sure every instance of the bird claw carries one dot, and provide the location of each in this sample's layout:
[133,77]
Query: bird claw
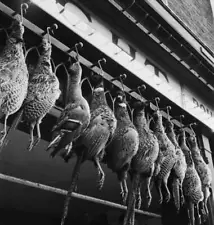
[101,182]
[124,196]
[138,203]
[149,201]
[160,200]
[167,198]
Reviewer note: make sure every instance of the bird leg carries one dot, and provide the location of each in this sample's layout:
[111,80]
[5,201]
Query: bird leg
[123,190]
[35,142]
[191,213]
[158,186]
[198,216]
[138,197]
[100,171]
[55,140]
[181,194]
[30,146]
[148,191]
[4,131]
[165,180]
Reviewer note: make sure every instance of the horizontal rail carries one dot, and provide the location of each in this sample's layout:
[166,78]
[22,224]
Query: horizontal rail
[75,195]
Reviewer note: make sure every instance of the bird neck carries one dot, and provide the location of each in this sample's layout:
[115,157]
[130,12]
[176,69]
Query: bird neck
[172,137]
[44,65]
[158,128]
[98,99]
[141,122]
[121,113]
[74,92]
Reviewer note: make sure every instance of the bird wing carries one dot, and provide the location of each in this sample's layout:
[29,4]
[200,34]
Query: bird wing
[97,134]
[75,111]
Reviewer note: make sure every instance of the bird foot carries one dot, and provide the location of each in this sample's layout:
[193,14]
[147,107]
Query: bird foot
[167,198]
[100,182]
[160,200]
[138,203]
[2,140]
[149,200]
[124,196]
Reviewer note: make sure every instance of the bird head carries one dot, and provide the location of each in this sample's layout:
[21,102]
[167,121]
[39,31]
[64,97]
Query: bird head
[169,125]
[157,115]
[97,82]
[139,105]
[192,139]
[121,98]
[17,31]
[75,72]
[46,45]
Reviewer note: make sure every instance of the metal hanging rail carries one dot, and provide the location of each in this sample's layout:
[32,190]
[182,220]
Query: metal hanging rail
[56,110]
[74,195]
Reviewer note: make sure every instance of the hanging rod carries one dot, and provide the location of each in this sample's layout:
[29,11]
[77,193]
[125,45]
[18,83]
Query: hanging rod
[56,110]
[74,195]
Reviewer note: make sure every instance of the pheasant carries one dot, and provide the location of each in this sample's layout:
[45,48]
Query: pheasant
[43,91]
[167,156]
[13,74]
[192,184]
[124,144]
[91,145]
[179,168]
[75,118]
[202,169]
[143,163]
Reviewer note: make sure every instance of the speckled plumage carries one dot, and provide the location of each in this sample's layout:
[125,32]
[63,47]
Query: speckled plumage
[143,163]
[75,118]
[202,168]
[167,155]
[43,91]
[192,184]
[100,130]
[124,144]
[13,73]
[179,168]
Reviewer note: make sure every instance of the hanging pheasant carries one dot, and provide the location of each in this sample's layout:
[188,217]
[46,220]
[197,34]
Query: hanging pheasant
[167,156]
[143,163]
[91,145]
[202,168]
[13,74]
[192,183]
[124,145]
[43,91]
[75,118]
[179,169]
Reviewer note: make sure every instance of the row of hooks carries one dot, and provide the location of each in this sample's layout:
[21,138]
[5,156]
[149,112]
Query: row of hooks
[76,48]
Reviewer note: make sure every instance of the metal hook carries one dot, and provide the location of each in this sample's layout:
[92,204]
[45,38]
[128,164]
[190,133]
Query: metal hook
[155,100]
[190,126]
[178,117]
[76,49]
[99,63]
[24,7]
[138,88]
[168,108]
[50,30]
[121,77]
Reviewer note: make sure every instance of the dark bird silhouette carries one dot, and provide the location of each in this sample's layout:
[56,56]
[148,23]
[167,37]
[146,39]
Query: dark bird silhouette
[143,163]
[167,156]
[91,145]
[13,74]
[124,144]
[192,184]
[179,169]
[43,91]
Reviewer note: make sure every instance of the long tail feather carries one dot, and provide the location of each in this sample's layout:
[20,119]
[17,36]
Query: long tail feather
[176,193]
[131,199]
[74,179]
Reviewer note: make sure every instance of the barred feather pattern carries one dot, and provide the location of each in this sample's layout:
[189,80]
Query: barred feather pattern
[179,167]
[192,184]
[13,71]
[43,89]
